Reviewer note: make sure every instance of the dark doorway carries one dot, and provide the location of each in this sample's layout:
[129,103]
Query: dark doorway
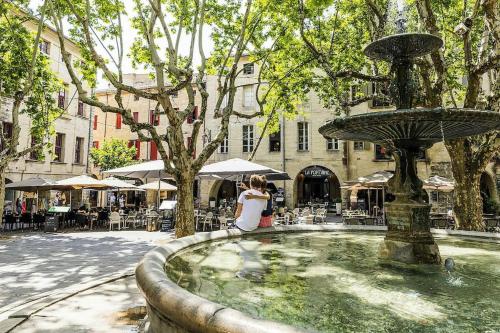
[317,184]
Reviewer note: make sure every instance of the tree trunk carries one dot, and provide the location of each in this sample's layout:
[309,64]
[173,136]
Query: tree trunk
[185,223]
[2,194]
[468,205]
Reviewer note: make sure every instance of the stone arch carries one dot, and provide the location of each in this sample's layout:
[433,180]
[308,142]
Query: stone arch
[316,183]
[223,189]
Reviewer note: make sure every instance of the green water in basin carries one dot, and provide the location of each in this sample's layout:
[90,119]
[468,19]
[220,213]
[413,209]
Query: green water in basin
[333,282]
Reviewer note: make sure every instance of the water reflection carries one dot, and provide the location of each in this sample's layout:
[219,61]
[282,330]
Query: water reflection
[334,282]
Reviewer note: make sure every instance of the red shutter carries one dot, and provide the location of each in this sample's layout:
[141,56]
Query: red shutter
[137,149]
[118,121]
[95,144]
[95,122]
[131,143]
[136,117]
[189,142]
[153,155]
[157,120]
[196,112]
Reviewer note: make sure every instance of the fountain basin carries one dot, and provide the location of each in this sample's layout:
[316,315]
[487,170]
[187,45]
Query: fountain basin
[425,125]
[172,308]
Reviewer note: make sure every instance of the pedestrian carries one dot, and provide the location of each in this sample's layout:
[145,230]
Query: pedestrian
[122,201]
[18,206]
[248,212]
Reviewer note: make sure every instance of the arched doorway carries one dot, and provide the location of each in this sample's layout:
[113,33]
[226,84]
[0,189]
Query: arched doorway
[226,192]
[488,193]
[317,184]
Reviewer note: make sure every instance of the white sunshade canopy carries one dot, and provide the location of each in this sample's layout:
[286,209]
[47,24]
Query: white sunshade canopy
[120,184]
[439,183]
[163,186]
[31,184]
[150,169]
[82,182]
[235,167]
[379,178]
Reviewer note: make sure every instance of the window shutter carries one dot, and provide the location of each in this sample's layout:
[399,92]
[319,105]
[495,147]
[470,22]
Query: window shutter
[136,116]
[95,122]
[118,121]
[137,149]
[154,151]
[196,112]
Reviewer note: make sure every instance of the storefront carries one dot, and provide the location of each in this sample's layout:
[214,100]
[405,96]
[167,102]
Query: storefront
[317,184]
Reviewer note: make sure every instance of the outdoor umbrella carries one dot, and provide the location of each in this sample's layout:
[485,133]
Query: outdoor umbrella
[150,169]
[236,167]
[158,186]
[80,183]
[439,184]
[376,180]
[33,185]
[119,184]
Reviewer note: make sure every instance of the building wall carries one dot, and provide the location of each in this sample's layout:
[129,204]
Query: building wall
[70,124]
[346,163]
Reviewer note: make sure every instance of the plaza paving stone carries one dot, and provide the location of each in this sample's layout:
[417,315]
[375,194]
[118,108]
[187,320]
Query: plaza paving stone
[35,264]
[100,309]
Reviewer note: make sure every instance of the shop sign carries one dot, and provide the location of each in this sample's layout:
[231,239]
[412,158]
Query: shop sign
[316,172]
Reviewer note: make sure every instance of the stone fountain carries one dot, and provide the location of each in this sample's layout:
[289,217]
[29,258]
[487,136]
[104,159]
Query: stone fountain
[404,132]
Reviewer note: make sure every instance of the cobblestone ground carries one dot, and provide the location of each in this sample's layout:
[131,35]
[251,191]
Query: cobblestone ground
[37,263]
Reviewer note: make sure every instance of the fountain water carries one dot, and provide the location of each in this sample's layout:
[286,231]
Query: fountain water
[405,132]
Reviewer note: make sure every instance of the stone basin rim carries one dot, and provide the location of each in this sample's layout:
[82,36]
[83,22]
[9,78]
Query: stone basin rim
[182,311]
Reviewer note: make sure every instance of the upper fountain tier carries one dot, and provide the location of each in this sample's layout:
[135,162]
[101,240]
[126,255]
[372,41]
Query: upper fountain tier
[403,46]
[407,125]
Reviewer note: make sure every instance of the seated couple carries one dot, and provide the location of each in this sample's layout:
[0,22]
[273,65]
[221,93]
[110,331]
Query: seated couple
[255,206]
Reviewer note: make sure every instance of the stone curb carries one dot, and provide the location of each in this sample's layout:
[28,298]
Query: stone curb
[40,303]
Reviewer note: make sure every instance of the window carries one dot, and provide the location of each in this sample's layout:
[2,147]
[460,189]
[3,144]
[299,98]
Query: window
[359,145]
[35,155]
[95,122]
[381,95]
[137,145]
[153,151]
[154,119]
[224,145]
[303,135]
[59,148]
[79,150]
[136,97]
[381,153]
[44,47]
[118,124]
[136,116]
[95,144]
[193,116]
[81,109]
[247,138]
[332,144]
[61,98]
[248,96]
[189,143]
[248,68]
[275,141]
[7,134]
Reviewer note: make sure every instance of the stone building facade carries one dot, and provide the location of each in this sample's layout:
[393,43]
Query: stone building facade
[317,167]
[69,155]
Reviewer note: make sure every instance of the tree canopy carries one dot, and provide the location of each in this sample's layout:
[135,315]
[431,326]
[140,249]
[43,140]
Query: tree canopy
[114,153]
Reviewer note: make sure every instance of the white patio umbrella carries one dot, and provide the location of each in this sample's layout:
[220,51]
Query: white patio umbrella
[158,186]
[438,183]
[80,183]
[164,186]
[236,167]
[150,169]
[120,184]
[377,180]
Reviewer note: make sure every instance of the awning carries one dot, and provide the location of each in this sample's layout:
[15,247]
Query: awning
[238,167]
[373,180]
